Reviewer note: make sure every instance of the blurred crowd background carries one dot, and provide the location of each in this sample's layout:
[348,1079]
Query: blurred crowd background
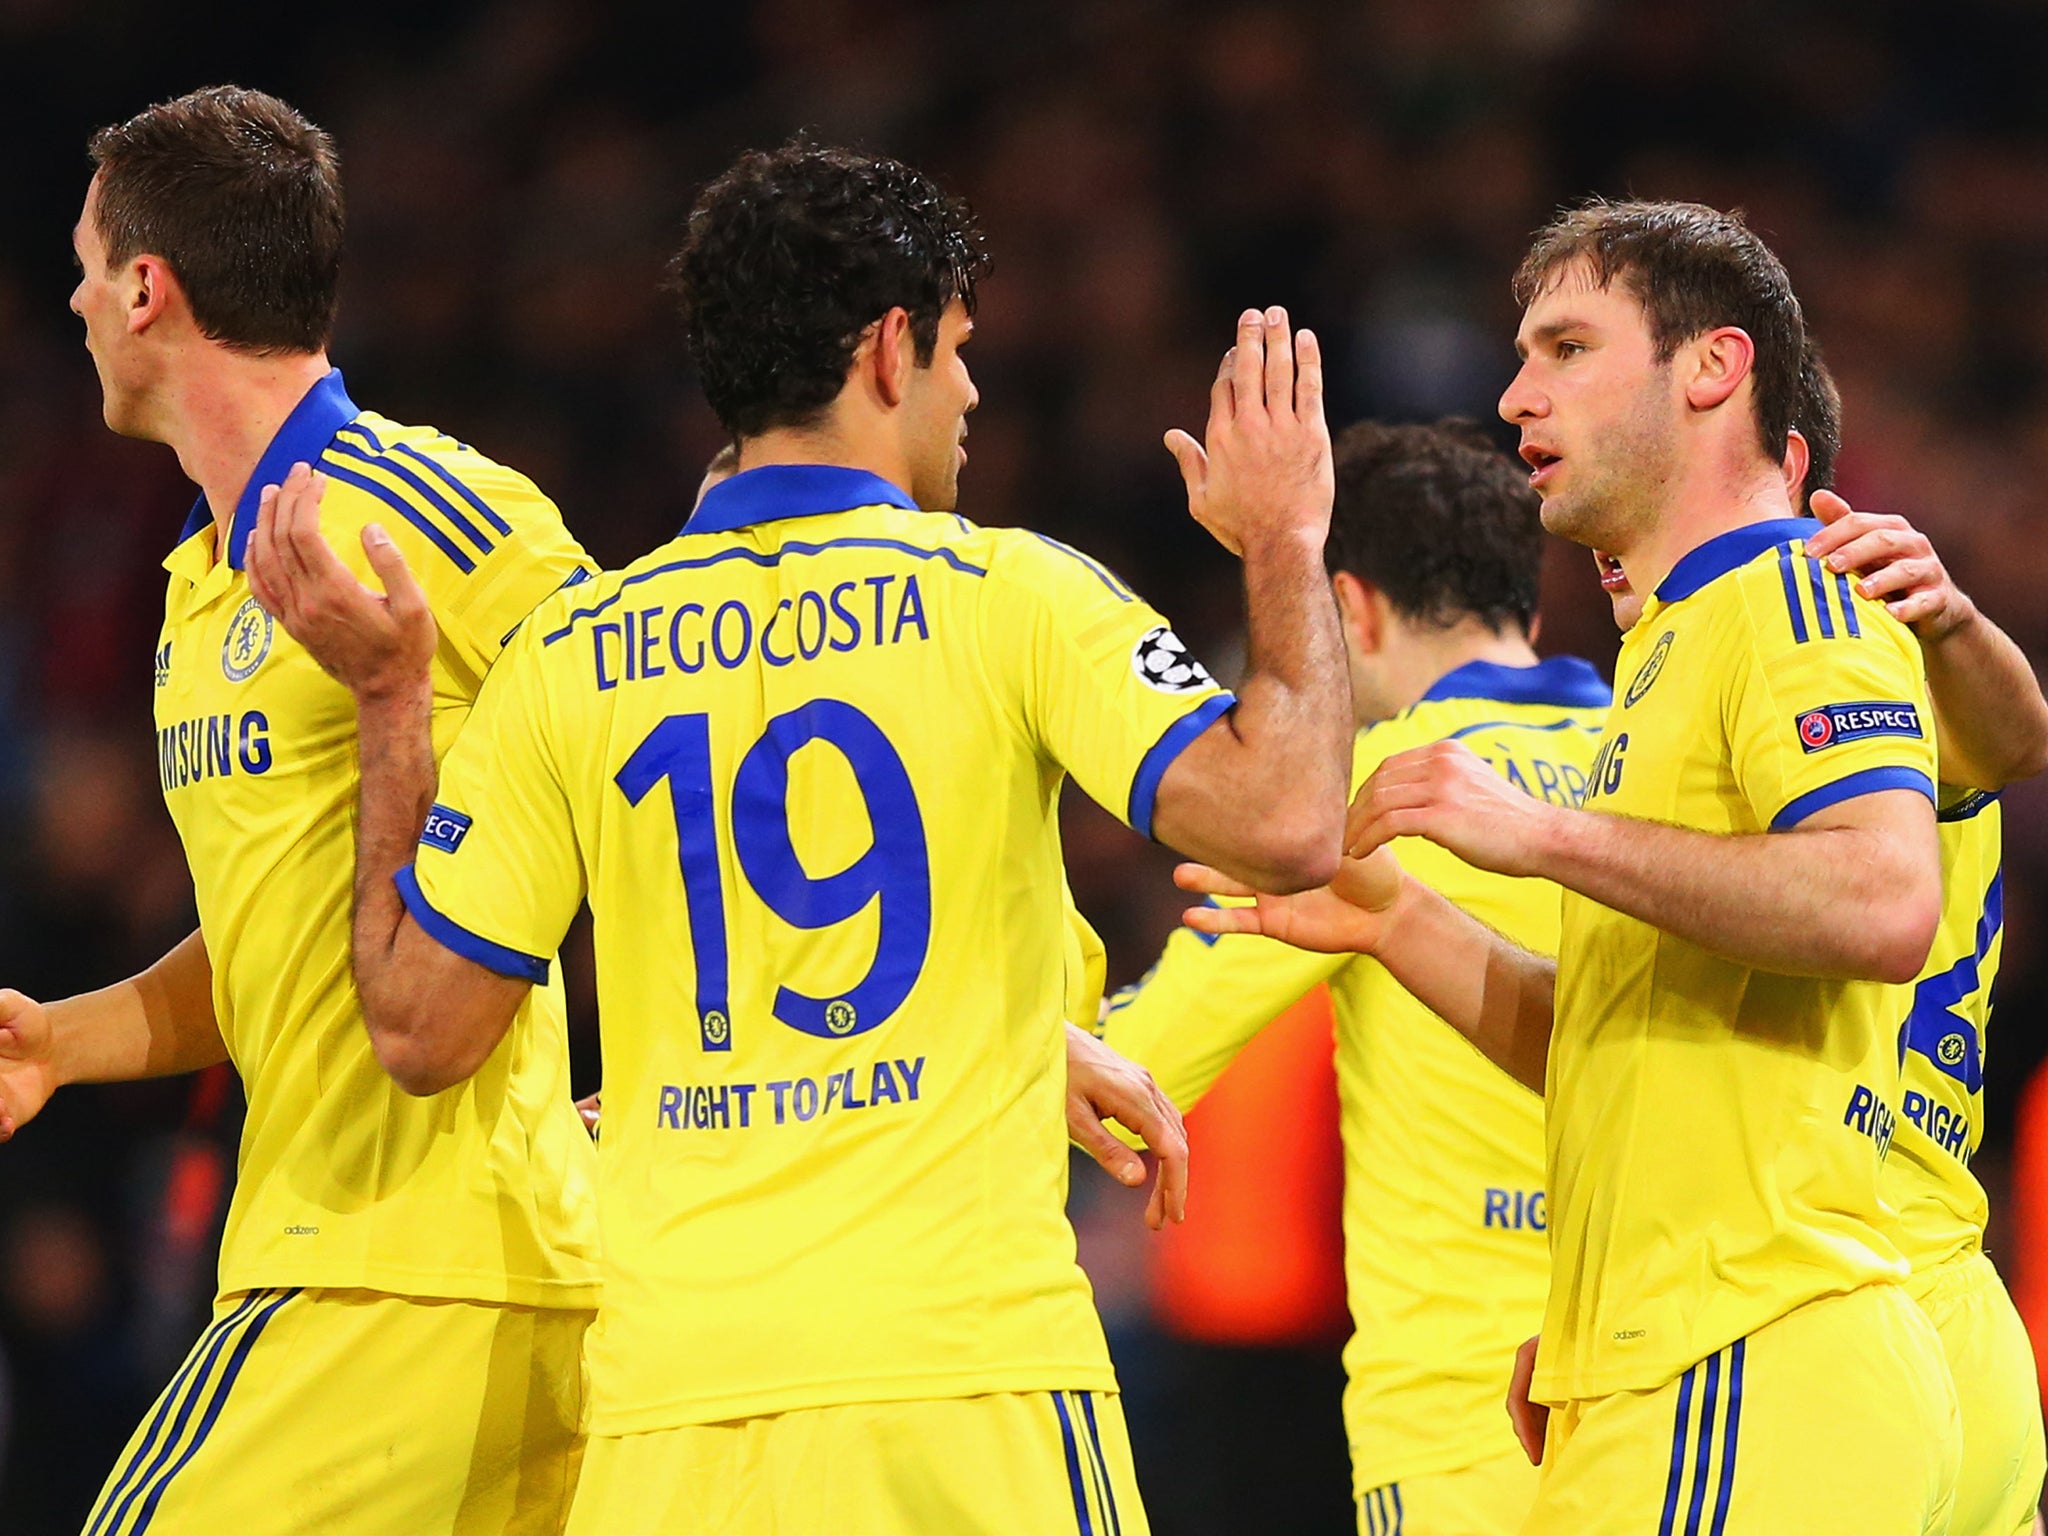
[517,172]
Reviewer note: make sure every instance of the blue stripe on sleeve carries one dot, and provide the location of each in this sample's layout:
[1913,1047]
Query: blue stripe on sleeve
[1101,572]
[426,493]
[402,507]
[1865,781]
[446,477]
[1791,593]
[1848,607]
[450,934]
[1728,1442]
[1818,583]
[1171,743]
[1059,1404]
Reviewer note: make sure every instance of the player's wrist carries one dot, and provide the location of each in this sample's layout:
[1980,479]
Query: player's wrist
[396,692]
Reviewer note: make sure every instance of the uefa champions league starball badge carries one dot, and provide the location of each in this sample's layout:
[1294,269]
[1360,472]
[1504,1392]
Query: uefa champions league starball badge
[1162,661]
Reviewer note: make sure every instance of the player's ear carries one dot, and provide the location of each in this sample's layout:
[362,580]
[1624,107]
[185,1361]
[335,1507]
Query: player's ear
[895,354]
[152,290]
[1716,364]
[1361,611]
[1798,459]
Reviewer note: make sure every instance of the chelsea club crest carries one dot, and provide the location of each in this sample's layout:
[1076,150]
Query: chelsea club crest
[248,641]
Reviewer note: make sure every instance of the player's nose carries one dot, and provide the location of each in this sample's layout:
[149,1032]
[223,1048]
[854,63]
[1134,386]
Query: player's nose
[1521,400]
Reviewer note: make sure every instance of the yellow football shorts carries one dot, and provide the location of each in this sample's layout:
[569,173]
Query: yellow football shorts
[352,1413]
[1992,1362]
[1008,1464]
[1488,1498]
[1837,1419]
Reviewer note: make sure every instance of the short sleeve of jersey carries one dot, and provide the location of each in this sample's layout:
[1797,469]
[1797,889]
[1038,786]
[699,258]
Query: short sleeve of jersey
[1187,1018]
[499,873]
[1096,679]
[485,542]
[1208,995]
[1821,714]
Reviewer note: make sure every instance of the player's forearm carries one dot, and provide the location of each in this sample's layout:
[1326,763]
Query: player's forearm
[1838,901]
[1991,720]
[395,740]
[1495,993]
[1261,794]
[157,1023]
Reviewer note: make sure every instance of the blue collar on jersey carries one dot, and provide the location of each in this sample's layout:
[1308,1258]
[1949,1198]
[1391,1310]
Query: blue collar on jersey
[323,411]
[1730,551]
[1565,681]
[790,490]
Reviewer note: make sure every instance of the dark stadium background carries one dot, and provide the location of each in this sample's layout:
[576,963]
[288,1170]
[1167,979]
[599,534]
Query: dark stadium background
[516,173]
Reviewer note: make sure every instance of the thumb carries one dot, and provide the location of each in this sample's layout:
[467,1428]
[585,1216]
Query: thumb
[1192,458]
[1100,1143]
[400,588]
[17,1012]
[1829,507]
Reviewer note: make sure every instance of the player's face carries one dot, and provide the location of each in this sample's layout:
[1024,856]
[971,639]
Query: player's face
[938,398]
[101,301]
[1596,410]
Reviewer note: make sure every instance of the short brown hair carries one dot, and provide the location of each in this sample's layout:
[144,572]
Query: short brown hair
[242,197]
[1439,519]
[1692,268]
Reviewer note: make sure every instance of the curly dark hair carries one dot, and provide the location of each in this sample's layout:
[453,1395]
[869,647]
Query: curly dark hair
[1692,268]
[1818,416]
[1440,520]
[241,195]
[792,254]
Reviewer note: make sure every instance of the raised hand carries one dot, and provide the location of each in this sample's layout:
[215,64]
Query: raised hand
[1447,793]
[1350,915]
[1264,470]
[1893,561]
[28,1074]
[1102,1085]
[374,643]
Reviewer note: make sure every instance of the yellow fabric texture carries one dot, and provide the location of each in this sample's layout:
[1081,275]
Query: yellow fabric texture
[1715,1131]
[485,1192]
[811,760]
[1487,1498]
[1942,1208]
[1050,1462]
[354,1413]
[1836,1419]
[1444,1210]
[1998,1488]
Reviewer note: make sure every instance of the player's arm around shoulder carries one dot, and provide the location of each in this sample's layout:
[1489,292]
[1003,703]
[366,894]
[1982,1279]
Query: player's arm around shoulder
[1991,719]
[433,1015]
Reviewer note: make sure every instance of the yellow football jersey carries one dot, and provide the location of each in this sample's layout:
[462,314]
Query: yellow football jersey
[1444,1211]
[481,1193]
[1715,1131]
[805,759]
[1942,1208]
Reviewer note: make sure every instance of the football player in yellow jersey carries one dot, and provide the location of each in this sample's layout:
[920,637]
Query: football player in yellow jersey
[1991,723]
[812,797]
[1435,546]
[404,1282]
[1752,887]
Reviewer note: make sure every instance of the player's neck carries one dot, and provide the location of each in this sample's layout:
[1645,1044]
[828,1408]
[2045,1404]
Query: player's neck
[827,443]
[1427,656]
[221,412]
[1703,508]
